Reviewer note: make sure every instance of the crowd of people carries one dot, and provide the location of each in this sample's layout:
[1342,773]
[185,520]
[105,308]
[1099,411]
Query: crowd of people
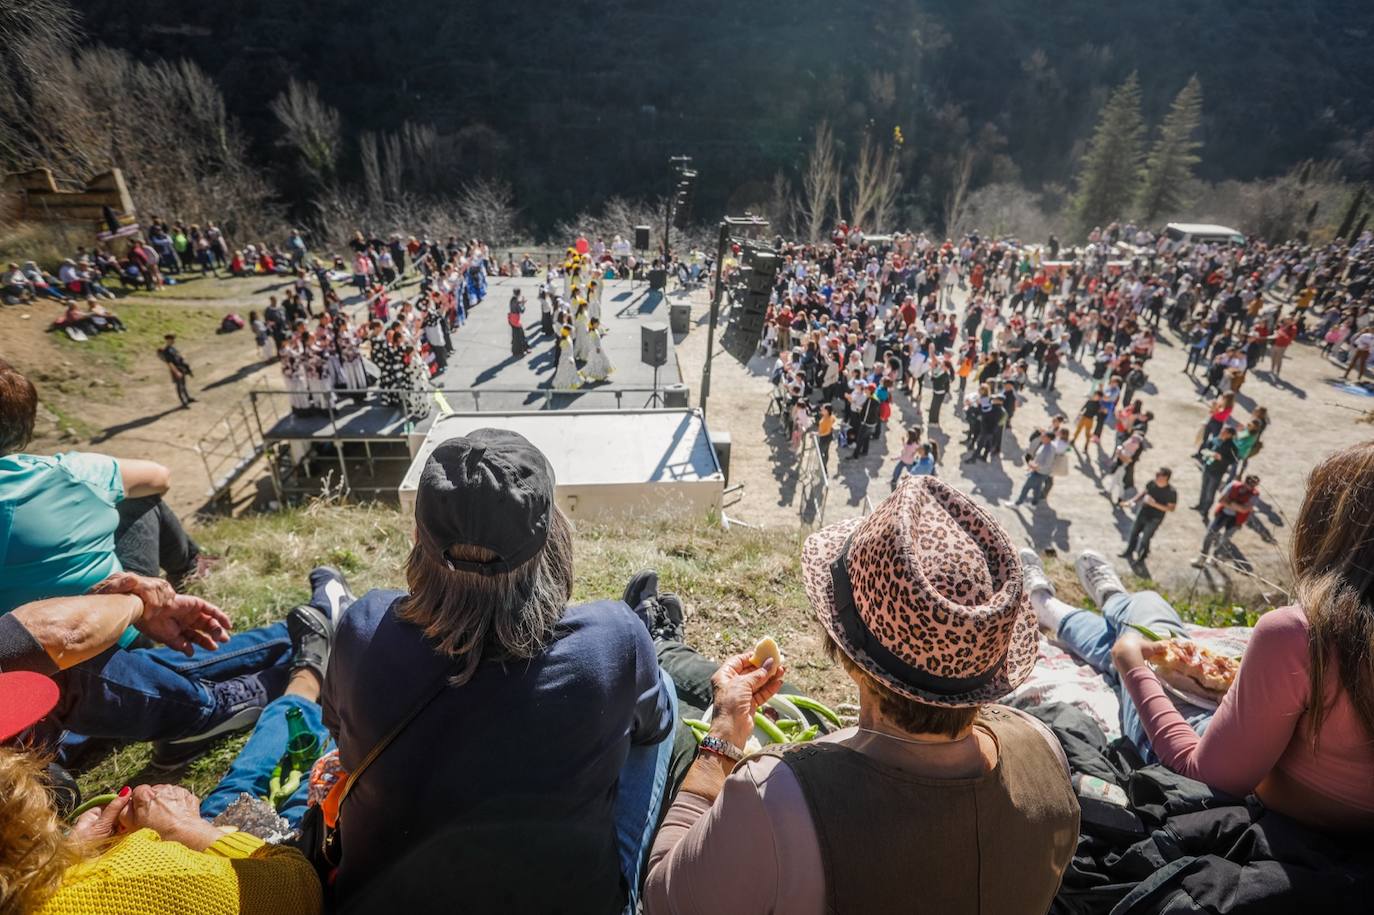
[400,344]
[531,754]
[982,326]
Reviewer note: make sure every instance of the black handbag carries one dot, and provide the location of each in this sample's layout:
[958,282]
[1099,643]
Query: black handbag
[322,844]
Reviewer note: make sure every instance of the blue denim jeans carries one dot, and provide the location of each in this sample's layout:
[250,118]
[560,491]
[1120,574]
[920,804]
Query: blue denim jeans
[158,693]
[1090,637]
[252,768]
[639,801]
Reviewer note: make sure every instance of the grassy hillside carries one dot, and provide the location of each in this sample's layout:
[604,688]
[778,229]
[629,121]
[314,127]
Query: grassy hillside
[737,586]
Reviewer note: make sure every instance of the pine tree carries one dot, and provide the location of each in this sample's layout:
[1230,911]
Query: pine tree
[1169,166]
[1109,176]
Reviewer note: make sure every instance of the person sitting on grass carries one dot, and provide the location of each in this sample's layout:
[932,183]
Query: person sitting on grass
[80,522]
[521,716]
[43,282]
[922,604]
[1296,727]
[149,849]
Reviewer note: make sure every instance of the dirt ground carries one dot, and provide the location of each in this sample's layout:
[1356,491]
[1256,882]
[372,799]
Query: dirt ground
[1312,415]
[113,395]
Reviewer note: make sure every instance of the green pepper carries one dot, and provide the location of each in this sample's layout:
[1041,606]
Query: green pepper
[811,705]
[769,729]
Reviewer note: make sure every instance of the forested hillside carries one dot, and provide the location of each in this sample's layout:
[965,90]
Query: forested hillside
[573,101]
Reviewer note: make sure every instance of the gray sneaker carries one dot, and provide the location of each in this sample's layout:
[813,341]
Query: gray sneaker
[1033,575]
[1098,577]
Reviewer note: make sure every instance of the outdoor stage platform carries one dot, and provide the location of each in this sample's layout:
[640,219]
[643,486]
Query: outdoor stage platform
[359,441]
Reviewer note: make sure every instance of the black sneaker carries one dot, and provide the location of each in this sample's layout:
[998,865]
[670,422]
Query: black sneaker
[667,624]
[643,586]
[329,592]
[312,635]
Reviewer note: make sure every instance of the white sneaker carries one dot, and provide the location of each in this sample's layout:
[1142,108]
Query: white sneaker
[1033,575]
[1098,577]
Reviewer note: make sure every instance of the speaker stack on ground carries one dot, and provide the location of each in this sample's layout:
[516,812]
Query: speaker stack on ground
[757,276]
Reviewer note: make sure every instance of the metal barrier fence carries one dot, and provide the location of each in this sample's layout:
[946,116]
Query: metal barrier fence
[813,482]
[360,430]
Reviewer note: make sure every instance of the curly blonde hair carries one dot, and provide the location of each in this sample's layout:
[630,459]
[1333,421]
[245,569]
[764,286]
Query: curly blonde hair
[35,851]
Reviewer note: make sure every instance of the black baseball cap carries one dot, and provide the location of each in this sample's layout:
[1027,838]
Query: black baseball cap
[492,489]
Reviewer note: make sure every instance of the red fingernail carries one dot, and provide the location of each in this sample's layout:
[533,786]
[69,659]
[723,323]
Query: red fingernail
[124,792]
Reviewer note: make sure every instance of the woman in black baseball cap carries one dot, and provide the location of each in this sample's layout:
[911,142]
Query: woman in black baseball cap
[480,705]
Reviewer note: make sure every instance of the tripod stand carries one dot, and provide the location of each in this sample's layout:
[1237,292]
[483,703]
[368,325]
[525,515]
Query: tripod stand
[655,399]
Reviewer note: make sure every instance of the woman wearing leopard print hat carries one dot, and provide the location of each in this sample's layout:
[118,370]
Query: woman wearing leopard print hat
[939,799]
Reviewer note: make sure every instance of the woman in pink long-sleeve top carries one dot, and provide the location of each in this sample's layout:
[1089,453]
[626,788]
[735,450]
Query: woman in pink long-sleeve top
[1297,726]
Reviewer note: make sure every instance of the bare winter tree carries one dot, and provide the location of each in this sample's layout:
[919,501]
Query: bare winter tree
[876,185]
[957,196]
[393,165]
[487,209]
[35,38]
[311,128]
[820,183]
[372,168]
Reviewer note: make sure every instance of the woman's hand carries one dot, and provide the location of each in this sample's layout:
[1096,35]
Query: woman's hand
[172,812]
[1132,650]
[154,592]
[100,823]
[739,689]
[184,622]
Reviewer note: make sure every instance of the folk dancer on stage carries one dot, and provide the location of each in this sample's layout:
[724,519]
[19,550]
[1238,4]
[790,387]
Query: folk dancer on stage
[599,366]
[293,369]
[515,317]
[582,344]
[319,375]
[417,385]
[566,377]
[352,373]
[545,311]
[433,332]
[594,299]
[387,355]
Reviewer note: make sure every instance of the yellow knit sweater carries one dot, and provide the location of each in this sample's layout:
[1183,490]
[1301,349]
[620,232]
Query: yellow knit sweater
[143,875]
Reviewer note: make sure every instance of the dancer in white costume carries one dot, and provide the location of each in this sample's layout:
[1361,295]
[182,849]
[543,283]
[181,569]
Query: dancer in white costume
[582,343]
[566,377]
[599,366]
[319,373]
[594,299]
[293,369]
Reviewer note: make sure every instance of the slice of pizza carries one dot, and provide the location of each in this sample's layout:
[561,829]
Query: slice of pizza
[1193,668]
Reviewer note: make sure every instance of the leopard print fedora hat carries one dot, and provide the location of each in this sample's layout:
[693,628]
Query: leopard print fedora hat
[925,594]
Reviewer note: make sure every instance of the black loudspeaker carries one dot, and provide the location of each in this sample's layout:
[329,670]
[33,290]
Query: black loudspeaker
[653,344]
[641,238]
[658,280]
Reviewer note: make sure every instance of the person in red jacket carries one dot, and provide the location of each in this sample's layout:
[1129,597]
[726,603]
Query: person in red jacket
[1283,338]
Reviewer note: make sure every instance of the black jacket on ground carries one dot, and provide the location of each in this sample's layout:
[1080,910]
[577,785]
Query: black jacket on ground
[1180,847]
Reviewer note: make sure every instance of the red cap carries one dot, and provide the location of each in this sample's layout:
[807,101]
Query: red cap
[25,697]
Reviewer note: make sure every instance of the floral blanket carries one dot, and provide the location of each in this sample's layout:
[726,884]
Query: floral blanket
[1060,677]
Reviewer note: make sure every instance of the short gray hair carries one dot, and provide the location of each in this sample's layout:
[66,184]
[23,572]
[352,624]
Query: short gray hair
[473,617]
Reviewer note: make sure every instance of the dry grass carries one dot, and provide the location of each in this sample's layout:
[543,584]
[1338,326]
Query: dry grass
[737,586]
[46,244]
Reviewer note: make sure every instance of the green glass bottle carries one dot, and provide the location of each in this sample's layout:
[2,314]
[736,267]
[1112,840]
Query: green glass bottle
[302,745]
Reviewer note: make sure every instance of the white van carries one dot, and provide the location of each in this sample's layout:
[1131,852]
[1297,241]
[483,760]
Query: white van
[1194,233]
